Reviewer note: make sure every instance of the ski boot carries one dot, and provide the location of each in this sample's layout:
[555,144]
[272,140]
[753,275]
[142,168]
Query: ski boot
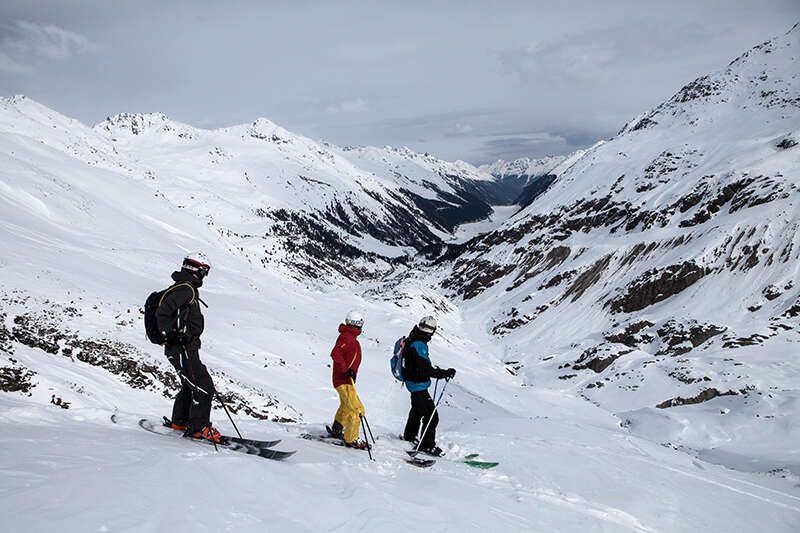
[357,444]
[336,430]
[172,425]
[208,433]
[432,450]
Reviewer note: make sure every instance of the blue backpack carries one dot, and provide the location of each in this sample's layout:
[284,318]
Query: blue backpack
[396,362]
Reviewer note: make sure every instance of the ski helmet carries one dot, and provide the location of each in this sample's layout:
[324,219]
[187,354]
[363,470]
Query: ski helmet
[355,319]
[197,262]
[427,324]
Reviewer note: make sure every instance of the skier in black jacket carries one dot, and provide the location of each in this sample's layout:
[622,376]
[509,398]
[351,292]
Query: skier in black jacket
[417,372]
[180,321]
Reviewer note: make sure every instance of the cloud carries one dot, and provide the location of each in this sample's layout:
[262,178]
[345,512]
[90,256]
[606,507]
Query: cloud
[602,54]
[23,42]
[7,64]
[359,105]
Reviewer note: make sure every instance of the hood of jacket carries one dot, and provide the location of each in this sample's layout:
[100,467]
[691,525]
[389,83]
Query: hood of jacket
[185,276]
[344,329]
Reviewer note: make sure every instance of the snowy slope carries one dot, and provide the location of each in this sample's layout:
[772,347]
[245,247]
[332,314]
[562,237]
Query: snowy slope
[93,219]
[76,264]
[662,267]
[278,197]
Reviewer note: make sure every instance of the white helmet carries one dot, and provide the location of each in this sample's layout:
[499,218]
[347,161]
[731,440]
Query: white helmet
[355,319]
[427,324]
[197,262]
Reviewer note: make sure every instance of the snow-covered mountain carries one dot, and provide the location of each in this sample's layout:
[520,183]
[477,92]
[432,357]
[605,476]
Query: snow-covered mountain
[276,196]
[523,179]
[661,269]
[524,167]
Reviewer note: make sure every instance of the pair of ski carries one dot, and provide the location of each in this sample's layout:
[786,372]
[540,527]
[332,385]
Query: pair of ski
[261,448]
[336,441]
[414,459]
[470,460]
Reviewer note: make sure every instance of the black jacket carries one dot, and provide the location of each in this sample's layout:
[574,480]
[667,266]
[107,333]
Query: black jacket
[418,369]
[180,309]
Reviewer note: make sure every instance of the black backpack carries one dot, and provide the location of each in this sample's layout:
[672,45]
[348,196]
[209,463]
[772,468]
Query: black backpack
[151,304]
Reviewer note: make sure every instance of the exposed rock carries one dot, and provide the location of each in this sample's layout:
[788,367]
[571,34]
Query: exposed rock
[681,338]
[535,265]
[703,396]
[588,277]
[771,292]
[643,124]
[656,285]
[598,358]
[558,279]
[786,143]
[752,340]
[685,378]
[713,205]
[793,311]
[480,275]
[16,378]
[630,336]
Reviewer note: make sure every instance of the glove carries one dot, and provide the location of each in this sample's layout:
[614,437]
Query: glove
[451,373]
[350,374]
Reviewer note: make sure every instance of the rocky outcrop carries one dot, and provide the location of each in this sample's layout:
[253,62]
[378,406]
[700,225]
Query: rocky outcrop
[45,331]
[599,358]
[679,338]
[703,396]
[656,285]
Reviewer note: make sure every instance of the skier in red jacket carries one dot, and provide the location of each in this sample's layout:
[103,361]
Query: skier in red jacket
[346,355]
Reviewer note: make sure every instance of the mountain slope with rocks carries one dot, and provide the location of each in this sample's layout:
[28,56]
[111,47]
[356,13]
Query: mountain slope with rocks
[660,271]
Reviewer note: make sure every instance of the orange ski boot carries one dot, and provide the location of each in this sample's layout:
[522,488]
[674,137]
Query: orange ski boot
[209,433]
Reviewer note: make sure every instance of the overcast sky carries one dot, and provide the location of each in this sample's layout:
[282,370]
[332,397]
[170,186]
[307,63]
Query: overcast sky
[465,80]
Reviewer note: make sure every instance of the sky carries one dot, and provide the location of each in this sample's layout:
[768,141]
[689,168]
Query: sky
[476,81]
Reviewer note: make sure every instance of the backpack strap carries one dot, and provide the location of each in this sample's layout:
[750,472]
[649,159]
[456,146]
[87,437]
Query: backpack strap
[194,292]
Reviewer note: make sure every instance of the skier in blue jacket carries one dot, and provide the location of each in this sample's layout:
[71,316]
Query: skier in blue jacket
[418,371]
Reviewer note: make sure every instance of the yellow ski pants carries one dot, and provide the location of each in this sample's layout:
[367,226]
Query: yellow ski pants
[350,411]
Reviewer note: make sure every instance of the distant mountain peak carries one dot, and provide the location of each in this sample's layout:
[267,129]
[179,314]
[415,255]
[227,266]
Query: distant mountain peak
[523,166]
[143,123]
[265,129]
[760,77]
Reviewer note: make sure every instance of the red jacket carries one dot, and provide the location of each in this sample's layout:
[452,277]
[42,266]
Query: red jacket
[345,354]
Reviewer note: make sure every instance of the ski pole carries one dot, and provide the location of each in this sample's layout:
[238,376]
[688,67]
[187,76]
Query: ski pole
[364,417]
[216,394]
[369,448]
[430,419]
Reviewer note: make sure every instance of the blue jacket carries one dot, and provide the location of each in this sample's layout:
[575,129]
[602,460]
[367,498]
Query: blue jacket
[418,370]
[417,350]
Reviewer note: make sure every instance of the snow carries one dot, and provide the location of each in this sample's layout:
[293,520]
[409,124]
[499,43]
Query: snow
[500,214]
[94,219]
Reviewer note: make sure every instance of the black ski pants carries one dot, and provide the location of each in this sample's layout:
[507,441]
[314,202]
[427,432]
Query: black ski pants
[192,405]
[422,408]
